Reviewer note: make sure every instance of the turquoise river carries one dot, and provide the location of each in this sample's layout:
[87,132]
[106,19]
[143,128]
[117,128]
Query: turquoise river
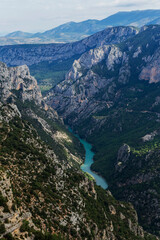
[86,167]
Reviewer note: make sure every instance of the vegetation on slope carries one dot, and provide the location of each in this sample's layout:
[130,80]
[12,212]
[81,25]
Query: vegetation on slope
[50,74]
[130,113]
[49,196]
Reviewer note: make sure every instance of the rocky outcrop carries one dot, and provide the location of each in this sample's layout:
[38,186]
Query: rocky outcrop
[151,71]
[93,82]
[83,84]
[18,78]
[111,54]
[123,157]
[137,181]
[16,84]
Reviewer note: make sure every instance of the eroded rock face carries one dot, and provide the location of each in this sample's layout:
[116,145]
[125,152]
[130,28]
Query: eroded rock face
[19,78]
[137,181]
[76,94]
[123,157]
[93,82]
[151,72]
[111,54]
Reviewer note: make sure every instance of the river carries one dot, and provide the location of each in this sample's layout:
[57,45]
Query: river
[86,167]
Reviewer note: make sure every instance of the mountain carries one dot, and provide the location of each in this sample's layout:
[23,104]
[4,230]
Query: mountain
[34,54]
[18,34]
[110,96]
[43,192]
[73,31]
[156,21]
[49,63]
[132,18]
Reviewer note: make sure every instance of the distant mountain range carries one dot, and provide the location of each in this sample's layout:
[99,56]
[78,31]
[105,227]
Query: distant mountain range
[50,62]
[72,31]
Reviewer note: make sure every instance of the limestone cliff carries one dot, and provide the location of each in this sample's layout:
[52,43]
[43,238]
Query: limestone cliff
[94,80]
[18,78]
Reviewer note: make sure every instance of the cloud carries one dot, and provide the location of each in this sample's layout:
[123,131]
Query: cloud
[138,3]
[40,15]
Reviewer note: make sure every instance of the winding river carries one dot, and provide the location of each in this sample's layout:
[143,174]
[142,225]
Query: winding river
[88,162]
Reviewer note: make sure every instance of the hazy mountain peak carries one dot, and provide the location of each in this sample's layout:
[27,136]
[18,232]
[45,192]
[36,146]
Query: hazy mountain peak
[19,34]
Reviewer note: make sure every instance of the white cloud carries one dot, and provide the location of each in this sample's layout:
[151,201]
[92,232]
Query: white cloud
[39,15]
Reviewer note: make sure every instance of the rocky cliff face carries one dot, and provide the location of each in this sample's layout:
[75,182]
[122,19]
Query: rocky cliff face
[82,83]
[18,78]
[34,54]
[93,82]
[136,180]
[111,97]
[151,71]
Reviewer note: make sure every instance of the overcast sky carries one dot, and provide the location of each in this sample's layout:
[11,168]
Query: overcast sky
[41,15]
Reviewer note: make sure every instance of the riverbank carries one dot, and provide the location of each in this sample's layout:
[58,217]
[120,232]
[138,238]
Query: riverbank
[86,167]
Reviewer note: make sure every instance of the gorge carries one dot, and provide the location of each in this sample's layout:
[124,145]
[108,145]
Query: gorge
[43,192]
[109,97]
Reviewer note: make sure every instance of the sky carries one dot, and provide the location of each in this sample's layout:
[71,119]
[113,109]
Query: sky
[40,15]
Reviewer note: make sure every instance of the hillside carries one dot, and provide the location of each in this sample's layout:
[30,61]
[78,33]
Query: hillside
[111,97]
[43,192]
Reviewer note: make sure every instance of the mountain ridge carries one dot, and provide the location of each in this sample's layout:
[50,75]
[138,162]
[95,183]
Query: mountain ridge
[49,63]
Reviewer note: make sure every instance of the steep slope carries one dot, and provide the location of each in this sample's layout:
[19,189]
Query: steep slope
[111,97]
[18,78]
[43,192]
[75,31]
[19,88]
